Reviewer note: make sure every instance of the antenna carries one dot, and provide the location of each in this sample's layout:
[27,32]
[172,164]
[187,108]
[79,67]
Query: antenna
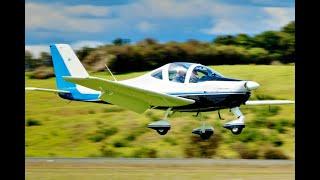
[110,72]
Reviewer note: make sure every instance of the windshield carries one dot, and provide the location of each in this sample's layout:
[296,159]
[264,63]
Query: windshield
[202,73]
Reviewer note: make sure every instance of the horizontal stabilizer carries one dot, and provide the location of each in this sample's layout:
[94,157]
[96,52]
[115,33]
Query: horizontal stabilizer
[269,102]
[45,90]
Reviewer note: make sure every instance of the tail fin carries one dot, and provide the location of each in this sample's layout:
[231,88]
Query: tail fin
[66,63]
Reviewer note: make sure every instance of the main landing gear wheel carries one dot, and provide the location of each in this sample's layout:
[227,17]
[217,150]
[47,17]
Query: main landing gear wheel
[235,129]
[163,131]
[162,126]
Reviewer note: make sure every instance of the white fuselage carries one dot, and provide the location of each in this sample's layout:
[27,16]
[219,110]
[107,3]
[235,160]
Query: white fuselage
[146,81]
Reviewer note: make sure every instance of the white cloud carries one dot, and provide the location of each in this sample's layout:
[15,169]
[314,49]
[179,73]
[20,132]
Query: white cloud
[97,11]
[247,20]
[145,26]
[223,18]
[226,26]
[60,20]
[37,49]
[279,16]
[172,9]
[58,17]
[80,44]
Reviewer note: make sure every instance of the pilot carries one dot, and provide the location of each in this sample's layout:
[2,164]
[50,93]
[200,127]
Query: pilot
[180,76]
[194,77]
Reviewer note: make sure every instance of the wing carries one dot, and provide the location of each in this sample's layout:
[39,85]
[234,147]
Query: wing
[133,98]
[268,102]
[45,90]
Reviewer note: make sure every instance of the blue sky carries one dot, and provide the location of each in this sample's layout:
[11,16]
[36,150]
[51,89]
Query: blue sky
[92,22]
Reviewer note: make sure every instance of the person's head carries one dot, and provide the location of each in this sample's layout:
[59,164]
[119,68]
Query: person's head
[180,72]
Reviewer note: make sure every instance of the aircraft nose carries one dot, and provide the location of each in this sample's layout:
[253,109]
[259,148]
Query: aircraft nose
[251,85]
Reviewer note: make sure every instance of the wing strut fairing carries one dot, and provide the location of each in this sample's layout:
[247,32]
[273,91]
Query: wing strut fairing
[269,102]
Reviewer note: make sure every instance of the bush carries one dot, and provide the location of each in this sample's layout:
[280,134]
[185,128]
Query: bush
[202,148]
[42,73]
[281,129]
[277,142]
[245,152]
[264,97]
[251,136]
[103,133]
[91,111]
[274,153]
[145,152]
[279,125]
[33,122]
[130,137]
[108,151]
[171,141]
[108,131]
[96,137]
[120,143]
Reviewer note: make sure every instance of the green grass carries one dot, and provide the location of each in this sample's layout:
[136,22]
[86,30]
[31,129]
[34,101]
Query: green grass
[78,129]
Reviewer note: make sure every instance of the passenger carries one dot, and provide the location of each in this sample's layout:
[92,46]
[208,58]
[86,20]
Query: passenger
[180,76]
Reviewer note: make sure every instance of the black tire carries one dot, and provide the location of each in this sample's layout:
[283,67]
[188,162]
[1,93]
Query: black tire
[206,135]
[162,131]
[236,130]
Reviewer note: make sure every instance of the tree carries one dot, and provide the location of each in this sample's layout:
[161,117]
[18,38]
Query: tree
[269,40]
[225,40]
[289,28]
[120,41]
[45,59]
[28,61]
[148,41]
[243,40]
[84,52]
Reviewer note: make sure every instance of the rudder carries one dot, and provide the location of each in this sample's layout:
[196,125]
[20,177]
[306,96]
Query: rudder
[66,63]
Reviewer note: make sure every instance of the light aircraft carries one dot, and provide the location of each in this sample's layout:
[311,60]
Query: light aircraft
[174,87]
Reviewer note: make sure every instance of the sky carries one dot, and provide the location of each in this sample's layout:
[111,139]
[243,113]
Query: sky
[95,22]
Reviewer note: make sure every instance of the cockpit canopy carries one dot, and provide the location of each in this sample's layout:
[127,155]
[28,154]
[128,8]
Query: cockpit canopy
[182,72]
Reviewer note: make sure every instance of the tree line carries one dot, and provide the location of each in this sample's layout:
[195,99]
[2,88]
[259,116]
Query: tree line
[123,56]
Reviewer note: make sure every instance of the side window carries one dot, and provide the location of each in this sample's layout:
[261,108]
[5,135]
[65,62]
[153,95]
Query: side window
[157,74]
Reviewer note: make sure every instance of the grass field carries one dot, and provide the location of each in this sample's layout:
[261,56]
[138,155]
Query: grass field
[58,128]
[83,169]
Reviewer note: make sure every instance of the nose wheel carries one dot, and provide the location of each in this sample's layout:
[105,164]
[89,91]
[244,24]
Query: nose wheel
[236,126]
[204,132]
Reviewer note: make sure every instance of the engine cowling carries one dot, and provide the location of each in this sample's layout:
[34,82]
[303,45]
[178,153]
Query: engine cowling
[251,85]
